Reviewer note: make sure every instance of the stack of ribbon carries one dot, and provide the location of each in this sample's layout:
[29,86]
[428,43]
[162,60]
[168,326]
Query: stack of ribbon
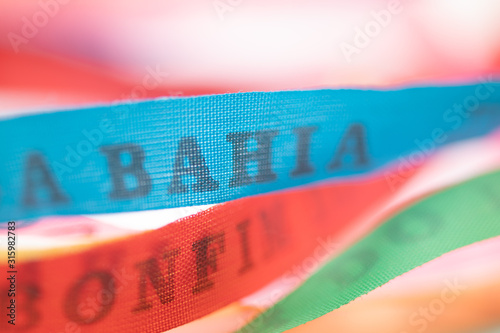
[356,194]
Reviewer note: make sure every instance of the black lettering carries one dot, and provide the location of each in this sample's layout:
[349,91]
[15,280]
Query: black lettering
[241,156]
[118,171]
[37,174]
[206,257]
[150,269]
[355,142]
[78,311]
[245,246]
[274,230]
[189,149]
[303,166]
[27,317]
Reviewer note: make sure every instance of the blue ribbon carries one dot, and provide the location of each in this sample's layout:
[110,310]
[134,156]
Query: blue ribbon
[173,152]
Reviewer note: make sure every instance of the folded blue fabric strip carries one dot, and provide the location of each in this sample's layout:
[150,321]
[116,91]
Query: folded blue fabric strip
[173,152]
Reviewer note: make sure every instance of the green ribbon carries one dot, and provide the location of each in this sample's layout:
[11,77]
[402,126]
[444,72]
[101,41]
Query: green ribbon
[456,217]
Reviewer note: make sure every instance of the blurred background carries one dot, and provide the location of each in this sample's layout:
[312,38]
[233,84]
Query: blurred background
[57,54]
[89,51]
